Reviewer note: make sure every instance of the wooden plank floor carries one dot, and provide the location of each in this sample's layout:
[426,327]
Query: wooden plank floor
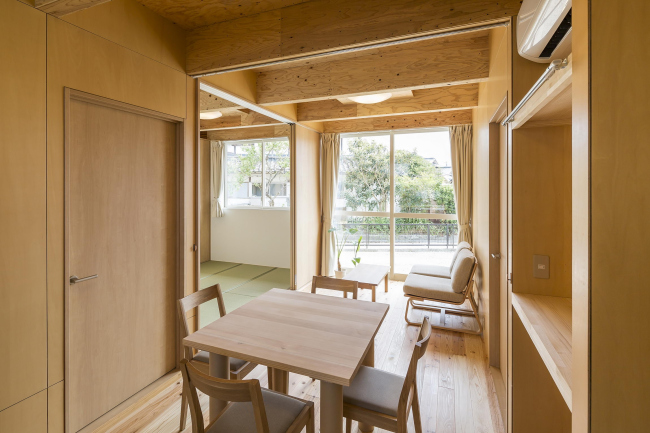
[456,389]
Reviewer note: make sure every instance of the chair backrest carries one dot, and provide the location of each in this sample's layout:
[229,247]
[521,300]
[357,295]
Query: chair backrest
[468,289]
[344,286]
[420,348]
[193,301]
[461,246]
[221,389]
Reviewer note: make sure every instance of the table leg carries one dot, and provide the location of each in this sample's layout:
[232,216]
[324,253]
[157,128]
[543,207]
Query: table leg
[373,293]
[280,382]
[368,361]
[386,283]
[331,408]
[219,367]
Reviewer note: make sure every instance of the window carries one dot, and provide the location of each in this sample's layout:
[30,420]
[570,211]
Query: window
[258,174]
[396,190]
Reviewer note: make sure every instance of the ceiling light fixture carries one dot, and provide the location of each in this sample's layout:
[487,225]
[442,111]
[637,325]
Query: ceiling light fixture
[210,115]
[371,99]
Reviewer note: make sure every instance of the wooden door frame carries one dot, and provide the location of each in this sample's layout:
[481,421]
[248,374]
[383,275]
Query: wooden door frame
[77,95]
[494,235]
[292,206]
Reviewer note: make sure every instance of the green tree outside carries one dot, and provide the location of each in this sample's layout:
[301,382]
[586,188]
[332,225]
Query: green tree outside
[249,166]
[420,186]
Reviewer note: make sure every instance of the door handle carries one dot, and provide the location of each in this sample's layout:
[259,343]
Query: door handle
[75,279]
[496,256]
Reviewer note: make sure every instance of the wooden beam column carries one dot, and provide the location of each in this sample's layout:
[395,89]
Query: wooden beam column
[319,26]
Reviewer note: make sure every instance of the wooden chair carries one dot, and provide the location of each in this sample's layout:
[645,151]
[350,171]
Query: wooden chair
[238,367]
[251,409]
[344,286]
[383,399]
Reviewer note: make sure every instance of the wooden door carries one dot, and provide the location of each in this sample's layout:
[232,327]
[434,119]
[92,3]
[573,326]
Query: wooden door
[121,225]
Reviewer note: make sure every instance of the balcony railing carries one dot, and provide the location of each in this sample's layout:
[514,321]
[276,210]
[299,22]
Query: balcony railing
[406,234]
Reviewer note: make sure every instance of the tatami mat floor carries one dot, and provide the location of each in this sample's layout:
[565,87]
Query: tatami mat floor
[240,283]
[457,391]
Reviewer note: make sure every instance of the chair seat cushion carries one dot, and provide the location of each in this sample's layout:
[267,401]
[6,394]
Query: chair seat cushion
[432,288]
[374,389]
[281,412]
[432,271]
[235,364]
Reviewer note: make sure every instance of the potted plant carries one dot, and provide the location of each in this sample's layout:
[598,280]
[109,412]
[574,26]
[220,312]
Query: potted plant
[340,241]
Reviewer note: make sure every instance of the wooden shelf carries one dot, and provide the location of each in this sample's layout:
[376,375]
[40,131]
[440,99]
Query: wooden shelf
[551,104]
[548,322]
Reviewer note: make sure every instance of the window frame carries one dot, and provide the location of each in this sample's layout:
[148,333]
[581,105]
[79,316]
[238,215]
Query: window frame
[225,177]
[391,214]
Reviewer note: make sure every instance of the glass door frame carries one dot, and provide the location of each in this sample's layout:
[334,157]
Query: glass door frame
[391,214]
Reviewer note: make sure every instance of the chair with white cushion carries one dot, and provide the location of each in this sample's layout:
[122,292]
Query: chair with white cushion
[454,290]
[382,399]
[238,367]
[251,409]
[441,271]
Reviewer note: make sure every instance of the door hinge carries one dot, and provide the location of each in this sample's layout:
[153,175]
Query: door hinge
[195,247]
[510,277]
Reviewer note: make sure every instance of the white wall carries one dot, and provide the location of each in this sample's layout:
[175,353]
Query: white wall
[252,236]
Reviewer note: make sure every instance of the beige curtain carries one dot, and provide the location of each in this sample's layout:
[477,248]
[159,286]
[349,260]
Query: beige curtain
[461,165]
[331,144]
[217,165]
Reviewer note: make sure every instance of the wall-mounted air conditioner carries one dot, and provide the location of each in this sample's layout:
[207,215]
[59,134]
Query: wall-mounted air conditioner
[544,30]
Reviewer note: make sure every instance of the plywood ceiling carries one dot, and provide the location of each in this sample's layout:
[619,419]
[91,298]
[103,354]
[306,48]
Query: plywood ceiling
[192,14]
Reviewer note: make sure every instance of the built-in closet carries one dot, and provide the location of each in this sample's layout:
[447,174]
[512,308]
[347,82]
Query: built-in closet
[541,308]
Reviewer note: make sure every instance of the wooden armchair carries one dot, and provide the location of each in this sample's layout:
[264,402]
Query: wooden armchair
[251,409]
[383,399]
[454,290]
[238,367]
[344,286]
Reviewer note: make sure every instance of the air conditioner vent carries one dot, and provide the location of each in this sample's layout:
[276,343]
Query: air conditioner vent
[557,37]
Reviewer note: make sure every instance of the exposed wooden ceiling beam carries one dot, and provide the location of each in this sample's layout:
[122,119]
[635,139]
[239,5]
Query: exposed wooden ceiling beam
[209,102]
[427,120]
[282,130]
[440,62]
[59,8]
[422,101]
[321,26]
[246,120]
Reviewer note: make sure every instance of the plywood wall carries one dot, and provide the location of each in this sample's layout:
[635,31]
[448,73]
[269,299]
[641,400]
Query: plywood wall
[23,291]
[491,94]
[84,61]
[538,406]
[118,50]
[307,205]
[620,210]
[541,208]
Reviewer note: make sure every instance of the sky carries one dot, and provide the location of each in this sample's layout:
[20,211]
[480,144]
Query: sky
[428,144]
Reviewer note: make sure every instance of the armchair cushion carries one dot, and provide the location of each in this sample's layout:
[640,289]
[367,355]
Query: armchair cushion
[462,270]
[461,246]
[423,286]
[432,271]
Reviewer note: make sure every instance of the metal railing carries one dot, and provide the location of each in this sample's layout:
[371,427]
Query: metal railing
[406,234]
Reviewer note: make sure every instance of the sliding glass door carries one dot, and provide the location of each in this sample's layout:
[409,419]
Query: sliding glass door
[396,189]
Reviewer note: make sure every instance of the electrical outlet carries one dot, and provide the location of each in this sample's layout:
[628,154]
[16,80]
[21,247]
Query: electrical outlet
[541,266]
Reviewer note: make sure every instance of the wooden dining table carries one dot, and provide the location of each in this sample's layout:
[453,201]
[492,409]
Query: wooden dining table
[324,337]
